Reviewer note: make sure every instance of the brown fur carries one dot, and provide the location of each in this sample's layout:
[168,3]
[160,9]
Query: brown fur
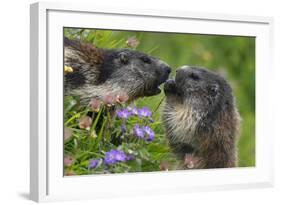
[201,119]
[100,72]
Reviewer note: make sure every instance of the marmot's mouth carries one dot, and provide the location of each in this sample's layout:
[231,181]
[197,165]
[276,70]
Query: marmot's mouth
[155,89]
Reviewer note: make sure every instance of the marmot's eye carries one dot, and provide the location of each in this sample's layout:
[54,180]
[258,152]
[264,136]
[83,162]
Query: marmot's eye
[123,58]
[146,59]
[213,89]
[194,76]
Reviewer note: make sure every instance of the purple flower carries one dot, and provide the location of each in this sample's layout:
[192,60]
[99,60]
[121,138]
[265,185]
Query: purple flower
[138,131]
[93,163]
[130,157]
[109,158]
[144,112]
[120,156]
[134,111]
[114,156]
[149,133]
[123,113]
[123,128]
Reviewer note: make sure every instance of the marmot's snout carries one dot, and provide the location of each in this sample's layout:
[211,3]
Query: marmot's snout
[183,75]
[170,87]
[164,73]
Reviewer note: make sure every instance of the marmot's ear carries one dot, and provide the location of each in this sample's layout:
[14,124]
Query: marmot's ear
[123,57]
[213,89]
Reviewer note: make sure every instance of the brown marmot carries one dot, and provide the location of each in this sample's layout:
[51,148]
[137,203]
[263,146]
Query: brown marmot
[201,119]
[98,72]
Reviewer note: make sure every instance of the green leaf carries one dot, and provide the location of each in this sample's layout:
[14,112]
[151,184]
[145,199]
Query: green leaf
[69,103]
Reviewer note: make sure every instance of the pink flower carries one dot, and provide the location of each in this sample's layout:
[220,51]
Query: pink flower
[122,98]
[67,133]
[85,122]
[132,42]
[164,166]
[67,161]
[109,100]
[95,104]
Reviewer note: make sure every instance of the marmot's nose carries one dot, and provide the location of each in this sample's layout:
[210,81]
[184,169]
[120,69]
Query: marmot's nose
[167,69]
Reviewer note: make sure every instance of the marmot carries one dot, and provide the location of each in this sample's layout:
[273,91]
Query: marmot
[98,72]
[201,119]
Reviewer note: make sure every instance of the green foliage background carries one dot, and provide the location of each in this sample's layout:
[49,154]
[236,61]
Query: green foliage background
[232,56]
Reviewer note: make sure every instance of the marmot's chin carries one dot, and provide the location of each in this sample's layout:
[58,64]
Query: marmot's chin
[154,91]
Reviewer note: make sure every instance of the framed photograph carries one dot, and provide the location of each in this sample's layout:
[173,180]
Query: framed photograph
[128,102]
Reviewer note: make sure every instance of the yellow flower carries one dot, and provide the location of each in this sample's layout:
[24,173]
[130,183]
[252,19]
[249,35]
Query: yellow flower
[68,69]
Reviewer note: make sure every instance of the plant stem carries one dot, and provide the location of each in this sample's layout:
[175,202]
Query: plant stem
[101,131]
[96,121]
[77,115]
[160,102]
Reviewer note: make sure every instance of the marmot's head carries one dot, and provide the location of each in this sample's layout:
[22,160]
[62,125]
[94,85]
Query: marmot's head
[199,103]
[98,72]
[199,88]
[134,72]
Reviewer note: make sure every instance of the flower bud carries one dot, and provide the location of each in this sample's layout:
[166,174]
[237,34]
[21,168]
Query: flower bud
[95,104]
[132,42]
[85,122]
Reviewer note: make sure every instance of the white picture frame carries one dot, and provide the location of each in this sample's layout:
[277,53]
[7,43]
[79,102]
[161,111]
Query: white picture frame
[47,182]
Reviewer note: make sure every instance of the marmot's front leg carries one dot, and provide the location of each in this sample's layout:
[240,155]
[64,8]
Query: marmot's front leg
[188,159]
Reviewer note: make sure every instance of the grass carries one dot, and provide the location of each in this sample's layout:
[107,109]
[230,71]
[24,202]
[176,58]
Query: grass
[233,57]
